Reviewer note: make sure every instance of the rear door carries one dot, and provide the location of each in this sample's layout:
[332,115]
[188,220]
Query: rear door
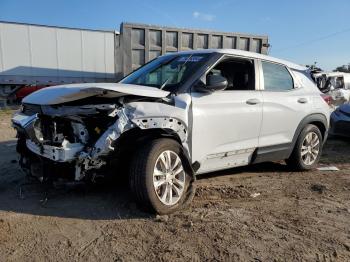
[226,124]
[285,104]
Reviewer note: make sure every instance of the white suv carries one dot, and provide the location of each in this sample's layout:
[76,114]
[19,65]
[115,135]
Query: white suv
[179,115]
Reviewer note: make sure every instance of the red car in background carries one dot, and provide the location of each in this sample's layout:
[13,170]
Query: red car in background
[26,90]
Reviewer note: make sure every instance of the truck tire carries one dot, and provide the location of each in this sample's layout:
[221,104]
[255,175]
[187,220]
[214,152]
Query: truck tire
[307,150]
[158,177]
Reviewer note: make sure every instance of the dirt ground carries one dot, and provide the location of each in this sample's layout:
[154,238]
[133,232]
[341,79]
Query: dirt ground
[296,217]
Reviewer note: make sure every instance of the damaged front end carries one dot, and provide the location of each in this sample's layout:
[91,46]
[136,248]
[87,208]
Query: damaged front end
[78,140]
[68,138]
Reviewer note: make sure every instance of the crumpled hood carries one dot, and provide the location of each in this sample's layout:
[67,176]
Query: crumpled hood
[66,93]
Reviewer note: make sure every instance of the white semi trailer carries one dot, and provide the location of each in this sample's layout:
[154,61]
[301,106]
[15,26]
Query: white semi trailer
[42,55]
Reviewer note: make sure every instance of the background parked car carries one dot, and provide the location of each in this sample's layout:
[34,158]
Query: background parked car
[340,121]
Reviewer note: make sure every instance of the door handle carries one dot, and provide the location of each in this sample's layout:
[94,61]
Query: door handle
[302,100]
[253,101]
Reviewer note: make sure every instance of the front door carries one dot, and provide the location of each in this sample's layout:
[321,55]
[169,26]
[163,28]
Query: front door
[226,124]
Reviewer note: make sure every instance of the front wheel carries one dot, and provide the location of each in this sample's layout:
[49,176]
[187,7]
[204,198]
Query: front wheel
[307,150]
[158,177]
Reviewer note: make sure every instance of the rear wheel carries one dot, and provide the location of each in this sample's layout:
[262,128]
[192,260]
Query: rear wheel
[158,177]
[307,150]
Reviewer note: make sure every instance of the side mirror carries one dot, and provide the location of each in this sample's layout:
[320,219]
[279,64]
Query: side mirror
[216,83]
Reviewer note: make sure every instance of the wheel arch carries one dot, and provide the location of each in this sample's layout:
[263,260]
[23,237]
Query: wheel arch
[136,137]
[318,120]
[321,126]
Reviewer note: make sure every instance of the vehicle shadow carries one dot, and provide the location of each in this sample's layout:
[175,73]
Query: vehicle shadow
[336,151]
[268,167]
[110,199]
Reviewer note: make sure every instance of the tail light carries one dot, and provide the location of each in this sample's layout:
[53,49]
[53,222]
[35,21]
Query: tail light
[327,99]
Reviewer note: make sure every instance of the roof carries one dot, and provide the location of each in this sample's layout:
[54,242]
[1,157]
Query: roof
[61,27]
[192,30]
[250,55]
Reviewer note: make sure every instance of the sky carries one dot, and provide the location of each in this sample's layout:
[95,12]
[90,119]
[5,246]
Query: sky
[302,31]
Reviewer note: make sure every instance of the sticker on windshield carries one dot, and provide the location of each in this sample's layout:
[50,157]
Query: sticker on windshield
[191,59]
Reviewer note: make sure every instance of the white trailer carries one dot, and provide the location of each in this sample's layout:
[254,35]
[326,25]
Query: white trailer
[53,55]
[45,55]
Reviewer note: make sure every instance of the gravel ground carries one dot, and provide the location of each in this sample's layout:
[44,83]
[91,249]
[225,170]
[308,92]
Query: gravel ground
[258,213]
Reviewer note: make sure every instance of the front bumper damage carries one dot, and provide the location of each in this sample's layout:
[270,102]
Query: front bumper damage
[66,153]
[86,157]
[82,156]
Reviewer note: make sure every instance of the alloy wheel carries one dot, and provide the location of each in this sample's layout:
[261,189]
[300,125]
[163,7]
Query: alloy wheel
[169,178]
[310,148]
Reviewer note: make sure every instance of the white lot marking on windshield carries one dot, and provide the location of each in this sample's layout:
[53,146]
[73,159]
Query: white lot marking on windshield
[191,59]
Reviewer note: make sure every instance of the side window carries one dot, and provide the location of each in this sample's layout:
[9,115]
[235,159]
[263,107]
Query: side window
[239,72]
[276,77]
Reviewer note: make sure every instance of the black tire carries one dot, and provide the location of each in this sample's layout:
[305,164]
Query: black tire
[141,177]
[295,161]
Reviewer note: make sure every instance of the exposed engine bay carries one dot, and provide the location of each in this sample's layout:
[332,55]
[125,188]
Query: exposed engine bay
[81,139]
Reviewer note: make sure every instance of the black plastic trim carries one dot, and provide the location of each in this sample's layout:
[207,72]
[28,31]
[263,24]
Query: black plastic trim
[310,119]
[283,151]
[272,153]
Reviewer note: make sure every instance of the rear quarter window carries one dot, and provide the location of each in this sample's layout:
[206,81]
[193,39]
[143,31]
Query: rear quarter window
[276,77]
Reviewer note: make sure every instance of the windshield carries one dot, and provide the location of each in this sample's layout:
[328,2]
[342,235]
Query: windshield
[167,72]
